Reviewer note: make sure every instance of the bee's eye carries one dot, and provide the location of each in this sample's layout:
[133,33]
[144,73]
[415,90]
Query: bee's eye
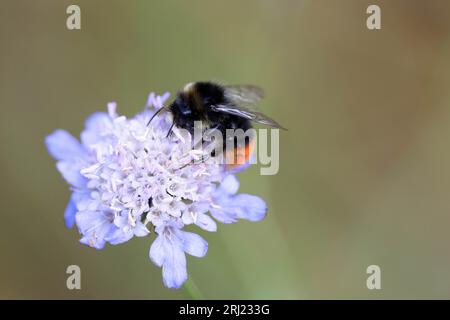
[184,108]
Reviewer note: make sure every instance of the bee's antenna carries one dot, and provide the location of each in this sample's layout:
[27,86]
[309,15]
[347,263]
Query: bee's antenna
[154,115]
[170,130]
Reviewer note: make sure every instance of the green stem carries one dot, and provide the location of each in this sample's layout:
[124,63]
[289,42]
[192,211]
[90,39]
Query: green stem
[192,290]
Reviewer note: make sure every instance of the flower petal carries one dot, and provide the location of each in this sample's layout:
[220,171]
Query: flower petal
[96,227]
[112,107]
[224,214]
[94,126]
[157,101]
[69,213]
[157,253]
[251,207]
[140,230]
[174,266]
[194,244]
[98,244]
[71,173]
[63,146]
[241,206]
[229,185]
[119,235]
[188,218]
[206,223]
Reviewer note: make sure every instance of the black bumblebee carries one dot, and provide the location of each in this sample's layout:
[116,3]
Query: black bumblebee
[219,107]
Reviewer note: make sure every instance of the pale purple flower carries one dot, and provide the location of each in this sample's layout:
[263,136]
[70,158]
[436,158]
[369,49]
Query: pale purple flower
[128,178]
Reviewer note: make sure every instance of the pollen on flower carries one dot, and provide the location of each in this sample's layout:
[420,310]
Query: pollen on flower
[128,178]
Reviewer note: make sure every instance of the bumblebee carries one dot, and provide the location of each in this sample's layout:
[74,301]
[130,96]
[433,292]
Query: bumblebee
[220,107]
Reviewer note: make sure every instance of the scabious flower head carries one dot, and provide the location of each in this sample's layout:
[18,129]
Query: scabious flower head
[128,178]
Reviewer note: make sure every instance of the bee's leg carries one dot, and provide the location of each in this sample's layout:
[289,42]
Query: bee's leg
[213,153]
[170,130]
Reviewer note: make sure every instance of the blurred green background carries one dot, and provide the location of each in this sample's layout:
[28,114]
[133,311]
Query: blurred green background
[365,166]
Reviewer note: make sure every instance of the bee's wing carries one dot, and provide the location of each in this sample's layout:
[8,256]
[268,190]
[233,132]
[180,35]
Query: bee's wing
[247,114]
[244,94]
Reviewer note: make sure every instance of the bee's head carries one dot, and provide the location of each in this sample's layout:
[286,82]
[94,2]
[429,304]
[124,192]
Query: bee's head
[193,102]
[181,106]
[183,114]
